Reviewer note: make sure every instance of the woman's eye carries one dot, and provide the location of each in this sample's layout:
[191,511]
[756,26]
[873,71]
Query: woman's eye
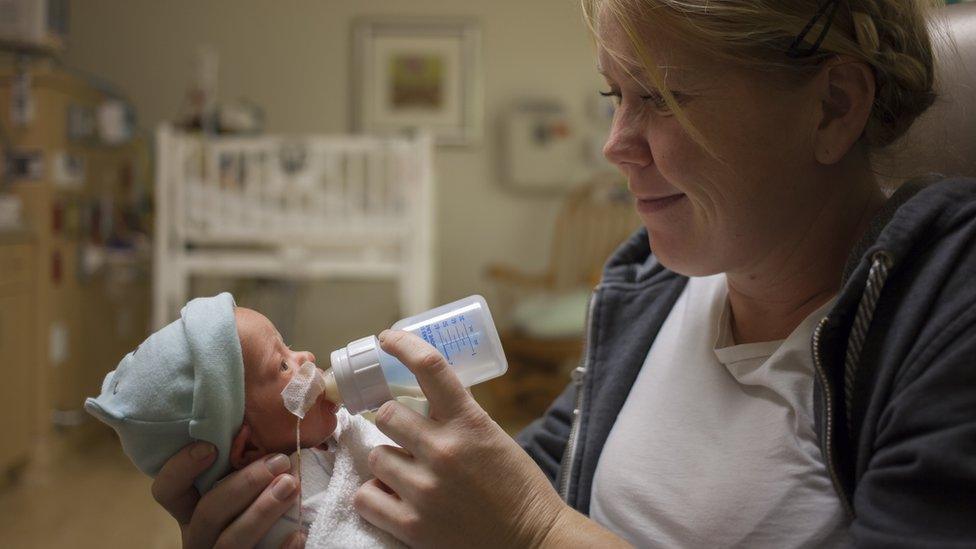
[613,95]
[657,102]
[284,366]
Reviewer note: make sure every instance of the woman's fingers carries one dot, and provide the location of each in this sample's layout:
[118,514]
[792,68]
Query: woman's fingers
[395,467]
[403,425]
[438,381]
[251,525]
[173,487]
[385,510]
[235,493]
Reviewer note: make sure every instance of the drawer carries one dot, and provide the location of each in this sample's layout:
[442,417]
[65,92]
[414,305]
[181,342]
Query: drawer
[15,263]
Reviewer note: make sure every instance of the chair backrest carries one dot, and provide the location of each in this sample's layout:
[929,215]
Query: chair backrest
[943,139]
[596,217]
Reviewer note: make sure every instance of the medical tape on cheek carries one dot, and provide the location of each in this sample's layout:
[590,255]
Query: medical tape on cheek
[302,391]
[298,396]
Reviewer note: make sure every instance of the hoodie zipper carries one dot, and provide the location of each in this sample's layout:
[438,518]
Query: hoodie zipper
[828,406]
[569,454]
[579,373]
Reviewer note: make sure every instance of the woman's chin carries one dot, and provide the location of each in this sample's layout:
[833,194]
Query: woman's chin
[681,255]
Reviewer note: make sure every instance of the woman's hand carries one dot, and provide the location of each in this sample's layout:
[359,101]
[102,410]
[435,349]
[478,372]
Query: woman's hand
[238,511]
[459,480]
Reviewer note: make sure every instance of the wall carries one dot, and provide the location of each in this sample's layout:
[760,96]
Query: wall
[292,58]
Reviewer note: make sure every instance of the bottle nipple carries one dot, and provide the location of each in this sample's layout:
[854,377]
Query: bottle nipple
[329,387]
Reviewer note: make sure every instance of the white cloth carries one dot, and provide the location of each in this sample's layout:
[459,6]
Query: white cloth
[330,478]
[715,445]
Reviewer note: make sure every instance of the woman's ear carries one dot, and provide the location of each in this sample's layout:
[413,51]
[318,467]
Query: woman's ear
[846,90]
[244,449]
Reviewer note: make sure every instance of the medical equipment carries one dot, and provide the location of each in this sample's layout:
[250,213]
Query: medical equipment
[299,395]
[277,207]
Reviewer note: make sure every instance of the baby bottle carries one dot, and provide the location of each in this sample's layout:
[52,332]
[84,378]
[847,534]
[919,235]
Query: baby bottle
[363,377]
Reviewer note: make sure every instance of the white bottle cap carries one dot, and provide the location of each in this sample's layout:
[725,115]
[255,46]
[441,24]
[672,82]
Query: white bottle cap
[359,376]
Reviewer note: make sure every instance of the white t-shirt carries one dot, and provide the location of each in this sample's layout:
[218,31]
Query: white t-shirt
[715,445]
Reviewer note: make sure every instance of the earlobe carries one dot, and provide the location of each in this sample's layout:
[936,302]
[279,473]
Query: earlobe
[243,449]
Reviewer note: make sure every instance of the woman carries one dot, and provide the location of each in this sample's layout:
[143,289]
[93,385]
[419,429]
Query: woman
[703,414]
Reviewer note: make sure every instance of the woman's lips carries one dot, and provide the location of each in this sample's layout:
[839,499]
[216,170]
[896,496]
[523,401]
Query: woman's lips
[652,205]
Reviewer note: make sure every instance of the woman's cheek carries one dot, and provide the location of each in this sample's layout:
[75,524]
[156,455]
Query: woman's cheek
[675,154]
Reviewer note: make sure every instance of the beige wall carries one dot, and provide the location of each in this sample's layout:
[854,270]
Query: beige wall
[292,58]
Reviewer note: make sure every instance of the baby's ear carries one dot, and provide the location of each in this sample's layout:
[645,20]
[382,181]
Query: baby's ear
[243,450]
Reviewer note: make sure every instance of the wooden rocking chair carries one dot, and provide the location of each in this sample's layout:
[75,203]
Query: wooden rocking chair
[595,218]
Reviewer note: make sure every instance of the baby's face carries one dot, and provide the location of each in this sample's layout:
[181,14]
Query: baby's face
[268,367]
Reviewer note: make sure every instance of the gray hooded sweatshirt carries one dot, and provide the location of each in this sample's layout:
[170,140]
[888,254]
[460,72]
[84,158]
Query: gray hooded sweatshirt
[895,358]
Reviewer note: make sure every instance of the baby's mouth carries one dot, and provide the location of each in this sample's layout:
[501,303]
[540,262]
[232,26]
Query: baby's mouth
[330,407]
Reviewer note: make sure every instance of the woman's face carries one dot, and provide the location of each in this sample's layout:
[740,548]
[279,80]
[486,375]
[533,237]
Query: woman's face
[705,214]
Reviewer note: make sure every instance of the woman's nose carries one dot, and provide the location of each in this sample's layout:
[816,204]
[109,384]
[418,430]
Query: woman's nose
[627,146]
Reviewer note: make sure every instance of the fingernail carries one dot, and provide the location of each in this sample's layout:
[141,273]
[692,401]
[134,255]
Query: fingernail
[201,451]
[278,463]
[283,487]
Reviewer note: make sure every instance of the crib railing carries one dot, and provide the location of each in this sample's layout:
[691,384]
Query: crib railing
[314,206]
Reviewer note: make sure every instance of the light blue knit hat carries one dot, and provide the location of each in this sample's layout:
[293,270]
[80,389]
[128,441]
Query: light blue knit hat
[184,383]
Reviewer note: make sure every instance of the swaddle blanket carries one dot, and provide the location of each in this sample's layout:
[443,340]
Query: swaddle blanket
[330,478]
[337,524]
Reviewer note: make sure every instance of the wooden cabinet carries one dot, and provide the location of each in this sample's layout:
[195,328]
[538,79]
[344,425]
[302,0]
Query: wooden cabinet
[18,365]
[78,200]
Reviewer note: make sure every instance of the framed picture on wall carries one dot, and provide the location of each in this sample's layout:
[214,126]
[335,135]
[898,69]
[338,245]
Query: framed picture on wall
[418,74]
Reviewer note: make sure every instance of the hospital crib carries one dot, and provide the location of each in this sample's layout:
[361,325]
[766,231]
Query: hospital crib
[292,208]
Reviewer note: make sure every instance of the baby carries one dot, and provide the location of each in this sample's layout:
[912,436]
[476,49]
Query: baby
[217,374]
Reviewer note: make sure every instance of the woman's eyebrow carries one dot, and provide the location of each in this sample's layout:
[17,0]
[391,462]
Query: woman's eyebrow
[673,74]
[635,71]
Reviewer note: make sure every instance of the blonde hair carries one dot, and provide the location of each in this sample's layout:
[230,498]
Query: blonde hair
[891,36]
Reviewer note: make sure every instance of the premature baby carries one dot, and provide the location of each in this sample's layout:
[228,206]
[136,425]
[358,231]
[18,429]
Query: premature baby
[217,374]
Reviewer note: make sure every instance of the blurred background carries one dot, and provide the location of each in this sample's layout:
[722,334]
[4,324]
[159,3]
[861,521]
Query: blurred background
[336,165]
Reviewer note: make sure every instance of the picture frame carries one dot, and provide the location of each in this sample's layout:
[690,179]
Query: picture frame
[540,146]
[418,74]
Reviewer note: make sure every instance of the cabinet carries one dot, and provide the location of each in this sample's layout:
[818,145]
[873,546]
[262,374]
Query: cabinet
[18,367]
[90,259]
